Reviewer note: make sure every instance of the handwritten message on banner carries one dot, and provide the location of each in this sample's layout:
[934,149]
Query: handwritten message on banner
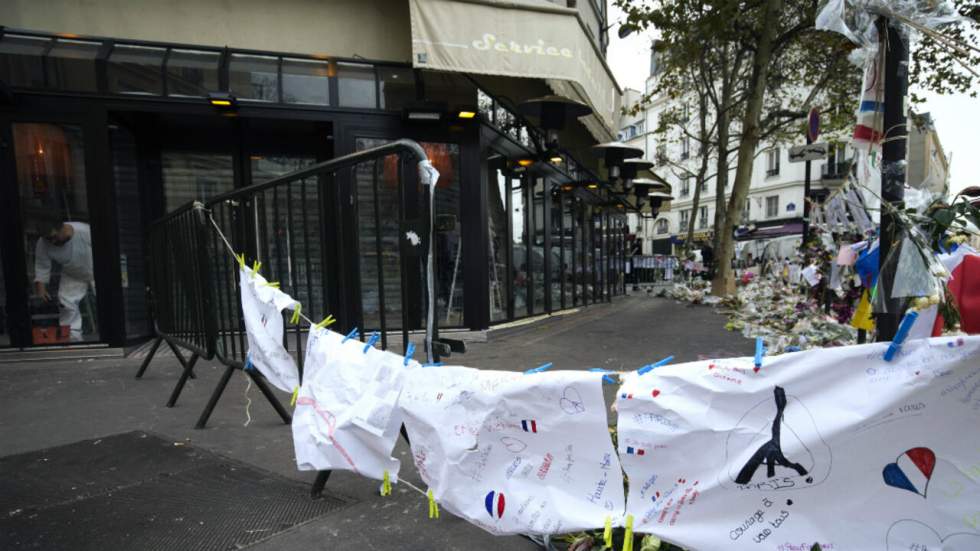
[831,446]
[515,453]
[262,306]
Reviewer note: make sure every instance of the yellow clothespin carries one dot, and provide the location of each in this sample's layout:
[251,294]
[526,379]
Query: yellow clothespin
[607,534]
[292,401]
[386,485]
[327,322]
[628,537]
[241,260]
[256,266]
[433,507]
[295,319]
[273,284]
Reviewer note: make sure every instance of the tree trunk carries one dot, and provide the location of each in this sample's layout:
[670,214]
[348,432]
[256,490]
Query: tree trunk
[721,176]
[724,281]
[702,170]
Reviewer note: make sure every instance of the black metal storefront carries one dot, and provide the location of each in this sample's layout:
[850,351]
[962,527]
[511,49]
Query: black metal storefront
[114,152]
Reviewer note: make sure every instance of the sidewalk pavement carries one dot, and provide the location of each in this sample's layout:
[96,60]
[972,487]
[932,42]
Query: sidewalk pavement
[44,404]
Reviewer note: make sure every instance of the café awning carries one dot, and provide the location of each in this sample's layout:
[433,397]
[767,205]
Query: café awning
[518,38]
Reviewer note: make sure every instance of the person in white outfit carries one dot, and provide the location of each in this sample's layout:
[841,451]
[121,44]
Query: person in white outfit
[68,244]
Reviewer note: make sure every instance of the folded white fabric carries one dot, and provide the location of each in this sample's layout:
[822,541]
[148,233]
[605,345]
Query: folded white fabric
[262,306]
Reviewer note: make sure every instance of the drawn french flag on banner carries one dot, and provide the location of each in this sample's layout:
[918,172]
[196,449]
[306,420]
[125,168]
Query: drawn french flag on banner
[630,450]
[529,425]
[494,503]
[626,396]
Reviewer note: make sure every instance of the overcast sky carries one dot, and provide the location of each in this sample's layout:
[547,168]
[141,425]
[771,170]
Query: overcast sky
[957,117]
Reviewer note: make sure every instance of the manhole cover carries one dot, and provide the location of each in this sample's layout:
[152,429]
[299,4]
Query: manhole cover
[138,491]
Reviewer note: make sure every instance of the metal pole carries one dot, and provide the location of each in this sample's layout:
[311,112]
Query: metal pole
[892,164]
[806,200]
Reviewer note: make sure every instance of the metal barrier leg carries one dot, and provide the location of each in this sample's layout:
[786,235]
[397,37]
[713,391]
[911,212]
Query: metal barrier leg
[267,392]
[316,491]
[149,357]
[180,356]
[187,372]
[213,400]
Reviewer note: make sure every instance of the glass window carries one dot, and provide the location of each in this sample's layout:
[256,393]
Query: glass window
[189,176]
[556,268]
[663,226]
[130,230]
[254,77]
[305,81]
[50,168]
[537,245]
[519,239]
[356,85]
[567,248]
[772,162]
[448,243]
[703,217]
[20,60]
[499,244]
[397,87]
[685,219]
[192,72]
[71,65]
[686,186]
[772,206]
[136,70]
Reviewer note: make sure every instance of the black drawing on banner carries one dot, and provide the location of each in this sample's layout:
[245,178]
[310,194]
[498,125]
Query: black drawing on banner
[571,401]
[913,534]
[512,444]
[781,434]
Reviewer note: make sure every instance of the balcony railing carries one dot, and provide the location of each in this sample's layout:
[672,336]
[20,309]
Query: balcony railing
[835,171]
[772,172]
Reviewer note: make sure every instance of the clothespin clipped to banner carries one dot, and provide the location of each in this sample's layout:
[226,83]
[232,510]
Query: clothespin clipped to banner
[295,319]
[409,352]
[650,367]
[371,340]
[353,334]
[241,260]
[292,401]
[433,506]
[605,374]
[256,266]
[386,485]
[607,542]
[628,536]
[248,363]
[327,322]
[901,334]
[760,350]
[433,364]
[539,369]
[273,284]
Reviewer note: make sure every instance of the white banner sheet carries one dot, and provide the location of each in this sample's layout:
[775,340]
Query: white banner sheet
[262,307]
[346,415]
[830,446]
[515,453]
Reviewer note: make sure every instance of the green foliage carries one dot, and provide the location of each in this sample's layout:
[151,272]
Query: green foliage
[939,68]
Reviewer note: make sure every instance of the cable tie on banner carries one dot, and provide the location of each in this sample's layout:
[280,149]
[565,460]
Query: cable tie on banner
[760,350]
[650,367]
[607,542]
[539,369]
[605,374]
[386,485]
[352,335]
[292,400]
[296,310]
[903,332]
[433,506]
[327,322]
[371,340]
[409,352]
[628,537]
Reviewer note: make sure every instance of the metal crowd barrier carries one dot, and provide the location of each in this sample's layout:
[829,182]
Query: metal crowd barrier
[283,224]
[654,269]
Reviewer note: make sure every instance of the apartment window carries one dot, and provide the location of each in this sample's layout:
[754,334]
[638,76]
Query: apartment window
[704,186]
[686,186]
[685,218]
[662,154]
[703,218]
[772,162]
[685,148]
[640,127]
[747,211]
[772,206]
[663,226]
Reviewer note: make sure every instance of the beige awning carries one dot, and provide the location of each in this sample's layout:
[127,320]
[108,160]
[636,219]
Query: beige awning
[518,38]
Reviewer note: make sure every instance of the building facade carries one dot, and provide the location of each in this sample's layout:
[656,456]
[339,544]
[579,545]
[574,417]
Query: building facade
[114,113]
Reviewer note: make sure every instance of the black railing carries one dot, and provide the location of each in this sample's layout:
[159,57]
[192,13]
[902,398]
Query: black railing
[835,171]
[653,269]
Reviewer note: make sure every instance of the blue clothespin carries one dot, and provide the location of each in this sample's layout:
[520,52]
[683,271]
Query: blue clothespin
[650,367]
[409,353]
[248,363]
[539,369]
[351,335]
[760,351]
[793,348]
[433,364]
[605,377]
[371,340]
[901,335]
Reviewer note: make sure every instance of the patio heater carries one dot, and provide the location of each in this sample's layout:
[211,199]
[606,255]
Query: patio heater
[552,113]
[631,169]
[614,153]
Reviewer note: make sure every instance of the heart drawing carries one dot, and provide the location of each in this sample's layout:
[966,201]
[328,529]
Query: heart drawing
[571,401]
[911,471]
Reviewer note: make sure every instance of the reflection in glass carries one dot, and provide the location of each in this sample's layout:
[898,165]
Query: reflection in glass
[130,231]
[397,87]
[192,72]
[305,81]
[71,65]
[567,247]
[537,248]
[449,238]
[356,85]
[20,60]
[136,70]
[254,77]
[499,244]
[557,267]
[519,212]
[57,237]
[189,176]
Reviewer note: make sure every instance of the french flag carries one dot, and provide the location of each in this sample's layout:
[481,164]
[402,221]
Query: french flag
[494,502]
[630,450]
[529,425]
[963,264]
[626,396]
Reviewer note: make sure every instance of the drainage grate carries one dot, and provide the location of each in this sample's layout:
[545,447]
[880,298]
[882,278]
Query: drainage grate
[138,491]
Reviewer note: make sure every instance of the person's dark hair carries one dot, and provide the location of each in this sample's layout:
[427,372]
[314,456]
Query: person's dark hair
[50,222]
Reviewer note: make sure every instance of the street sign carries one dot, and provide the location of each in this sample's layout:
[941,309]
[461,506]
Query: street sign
[813,125]
[809,152]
